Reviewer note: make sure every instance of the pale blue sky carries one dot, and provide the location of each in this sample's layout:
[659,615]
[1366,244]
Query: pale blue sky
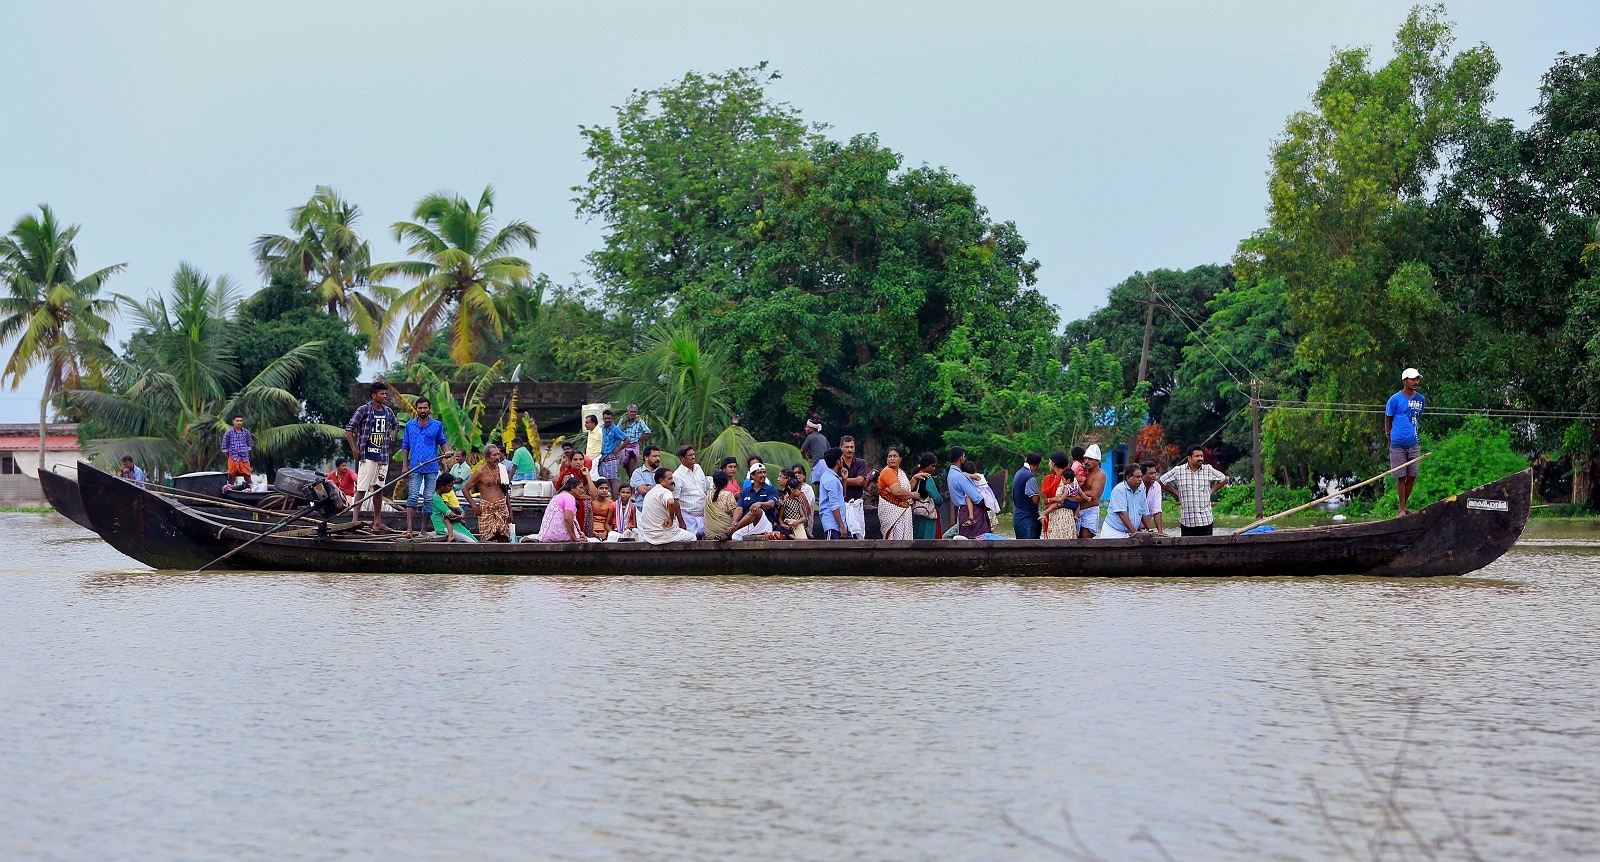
[1119,136]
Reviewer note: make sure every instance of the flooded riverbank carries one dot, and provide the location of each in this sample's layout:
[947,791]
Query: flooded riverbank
[285,716]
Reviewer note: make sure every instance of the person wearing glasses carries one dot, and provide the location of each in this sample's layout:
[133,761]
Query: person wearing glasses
[660,521]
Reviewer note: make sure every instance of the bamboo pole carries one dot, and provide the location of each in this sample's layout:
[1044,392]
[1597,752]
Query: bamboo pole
[1339,493]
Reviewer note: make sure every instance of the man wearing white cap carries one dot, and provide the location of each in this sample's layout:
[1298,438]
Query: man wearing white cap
[1400,417]
[1094,487]
[815,444]
[757,507]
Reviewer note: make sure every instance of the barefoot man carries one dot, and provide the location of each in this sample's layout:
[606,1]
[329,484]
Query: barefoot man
[1094,487]
[371,432]
[486,488]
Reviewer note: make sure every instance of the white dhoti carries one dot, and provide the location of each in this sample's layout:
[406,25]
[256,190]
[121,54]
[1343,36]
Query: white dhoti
[696,523]
[761,527]
[855,518]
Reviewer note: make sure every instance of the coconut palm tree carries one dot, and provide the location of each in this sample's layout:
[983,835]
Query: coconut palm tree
[56,316]
[327,249]
[169,400]
[461,265]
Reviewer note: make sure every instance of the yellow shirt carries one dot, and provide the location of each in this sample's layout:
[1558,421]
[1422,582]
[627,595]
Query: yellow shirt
[450,499]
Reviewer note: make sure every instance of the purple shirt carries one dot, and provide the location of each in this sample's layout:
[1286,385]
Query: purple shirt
[236,444]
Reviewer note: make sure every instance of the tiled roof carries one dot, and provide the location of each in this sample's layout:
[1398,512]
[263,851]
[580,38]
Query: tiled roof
[52,443]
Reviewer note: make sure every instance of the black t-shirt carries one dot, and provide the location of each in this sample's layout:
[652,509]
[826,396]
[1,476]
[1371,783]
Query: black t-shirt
[858,467]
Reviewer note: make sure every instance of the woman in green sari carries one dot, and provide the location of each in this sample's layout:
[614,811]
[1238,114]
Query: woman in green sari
[925,488]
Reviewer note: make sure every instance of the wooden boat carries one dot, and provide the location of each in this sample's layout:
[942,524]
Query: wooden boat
[1454,536]
[62,495]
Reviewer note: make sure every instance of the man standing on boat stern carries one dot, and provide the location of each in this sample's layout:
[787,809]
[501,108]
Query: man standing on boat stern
[856,476]
[1025,498]
[376,424]
[1094,486]
[421,442]
[236,444]
[486,491]
[1400,417]
[1194,483]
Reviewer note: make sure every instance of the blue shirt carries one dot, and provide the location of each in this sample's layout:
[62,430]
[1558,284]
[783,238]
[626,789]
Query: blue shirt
[611,437]
[1406,412]
[1133,501]
[830,499]
[422,445]
[634,430]
[1024,487]
[138,476]
[961,488]
[751,496]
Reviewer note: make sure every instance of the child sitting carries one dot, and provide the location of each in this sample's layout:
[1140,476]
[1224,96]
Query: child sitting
[448,518]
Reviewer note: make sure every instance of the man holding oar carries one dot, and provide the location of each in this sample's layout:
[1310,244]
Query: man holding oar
[1400,417]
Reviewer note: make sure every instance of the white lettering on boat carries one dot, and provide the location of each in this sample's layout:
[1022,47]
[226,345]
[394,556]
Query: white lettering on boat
[1489,505]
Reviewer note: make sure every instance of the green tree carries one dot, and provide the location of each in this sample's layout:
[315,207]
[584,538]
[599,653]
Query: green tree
[463,268]
[167,402]
[327,249]
[680,385]
[56,315]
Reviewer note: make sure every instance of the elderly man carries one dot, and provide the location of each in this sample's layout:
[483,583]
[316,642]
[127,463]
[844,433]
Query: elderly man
[1093,485]
[634,431]
[660,520]
[486,490]
[689,487]
[813,447]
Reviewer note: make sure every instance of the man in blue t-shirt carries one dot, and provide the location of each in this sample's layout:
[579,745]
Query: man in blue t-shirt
[1400,423]
[422,440]
[1025,498]
[757,503]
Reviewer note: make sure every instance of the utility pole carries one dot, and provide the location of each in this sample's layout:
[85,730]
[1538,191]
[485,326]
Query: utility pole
[1255,438]
[1144,360]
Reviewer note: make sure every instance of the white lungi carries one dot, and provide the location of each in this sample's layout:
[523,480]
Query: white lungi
[761,527]
[855,518]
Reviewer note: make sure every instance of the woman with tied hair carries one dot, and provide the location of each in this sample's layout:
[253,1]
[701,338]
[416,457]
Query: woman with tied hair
[721,504]
[560,522]
[1059,492]
[894,498]
[925,506]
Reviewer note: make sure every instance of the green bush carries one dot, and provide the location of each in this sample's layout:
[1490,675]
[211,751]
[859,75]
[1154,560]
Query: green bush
[1240,499]
[1477,452]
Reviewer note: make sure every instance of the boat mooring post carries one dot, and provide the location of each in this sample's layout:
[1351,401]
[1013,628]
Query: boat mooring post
[1255,440]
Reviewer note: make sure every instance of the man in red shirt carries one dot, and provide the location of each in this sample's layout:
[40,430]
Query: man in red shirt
[344,478]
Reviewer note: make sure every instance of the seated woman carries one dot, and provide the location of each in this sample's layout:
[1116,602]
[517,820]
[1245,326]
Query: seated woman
[721,505]
[448,519]
[605,512]
[560,522]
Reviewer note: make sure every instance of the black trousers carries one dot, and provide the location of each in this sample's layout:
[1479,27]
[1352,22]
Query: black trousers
[1194,531]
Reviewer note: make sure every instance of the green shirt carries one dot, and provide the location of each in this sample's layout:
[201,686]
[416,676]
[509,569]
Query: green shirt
[522,463]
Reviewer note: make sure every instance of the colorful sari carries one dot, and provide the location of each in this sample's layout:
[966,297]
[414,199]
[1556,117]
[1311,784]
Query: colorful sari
[894,518]
[1061,523]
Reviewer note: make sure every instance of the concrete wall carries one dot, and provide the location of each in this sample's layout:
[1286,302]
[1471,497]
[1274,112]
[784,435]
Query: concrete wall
[28,462]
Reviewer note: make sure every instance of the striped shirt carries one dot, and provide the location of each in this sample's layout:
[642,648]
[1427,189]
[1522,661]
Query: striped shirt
[1194,492]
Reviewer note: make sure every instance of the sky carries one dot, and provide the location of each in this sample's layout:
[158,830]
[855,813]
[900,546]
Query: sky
[1120,137]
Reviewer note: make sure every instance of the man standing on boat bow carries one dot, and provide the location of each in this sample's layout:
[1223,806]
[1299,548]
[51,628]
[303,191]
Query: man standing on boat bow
[486,490]
[1400,418]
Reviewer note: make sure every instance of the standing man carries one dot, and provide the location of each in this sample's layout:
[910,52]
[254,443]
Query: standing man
[1094,488]
[593,442]
[486,491]
[1194,483]
[236,444]
[523,468]
[421,443]
[815,444]
[633,432]
[830,497]
[966,499]
[1152,496]
[1025,498]
[370,433]
[856,476]
[1400,417]
[611,441]
[689,487]
[644,476]
[1129,513]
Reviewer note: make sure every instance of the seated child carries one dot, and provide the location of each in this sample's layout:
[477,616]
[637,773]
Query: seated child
[448,519]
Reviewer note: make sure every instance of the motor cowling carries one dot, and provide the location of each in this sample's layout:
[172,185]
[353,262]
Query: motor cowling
[308,486]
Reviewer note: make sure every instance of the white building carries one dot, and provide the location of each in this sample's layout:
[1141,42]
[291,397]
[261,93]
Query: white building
[19,457]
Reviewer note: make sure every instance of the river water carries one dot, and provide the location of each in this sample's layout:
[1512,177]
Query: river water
[288,716]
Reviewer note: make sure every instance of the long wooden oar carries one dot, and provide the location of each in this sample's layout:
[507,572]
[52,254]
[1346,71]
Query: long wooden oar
[1339,493]
[307,510]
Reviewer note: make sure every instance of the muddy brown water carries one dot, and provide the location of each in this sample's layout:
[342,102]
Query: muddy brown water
[294,716]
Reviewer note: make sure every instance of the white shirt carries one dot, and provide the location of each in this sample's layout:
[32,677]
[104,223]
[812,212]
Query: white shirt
[691,490]
[657,508]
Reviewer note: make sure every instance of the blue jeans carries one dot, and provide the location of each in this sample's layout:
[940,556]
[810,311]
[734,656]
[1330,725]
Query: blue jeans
[1027,526]
[832,534]
[419,490]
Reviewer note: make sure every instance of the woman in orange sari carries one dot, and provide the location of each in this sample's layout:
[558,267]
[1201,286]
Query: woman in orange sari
[585,492]
[1059,491]
[894,499]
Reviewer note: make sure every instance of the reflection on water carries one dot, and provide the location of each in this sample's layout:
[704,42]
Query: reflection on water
[293,716]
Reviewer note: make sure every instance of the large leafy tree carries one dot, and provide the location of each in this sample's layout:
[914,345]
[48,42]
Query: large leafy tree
[680,385]
[55,315]
[464,268]
[832,277]
[326,247]
[167,402]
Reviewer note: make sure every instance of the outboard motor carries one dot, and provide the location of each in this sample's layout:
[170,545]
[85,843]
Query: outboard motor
[309,487]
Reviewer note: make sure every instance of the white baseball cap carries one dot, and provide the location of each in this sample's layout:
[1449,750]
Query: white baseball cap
[1093,452]
[1410,373]
[755,468]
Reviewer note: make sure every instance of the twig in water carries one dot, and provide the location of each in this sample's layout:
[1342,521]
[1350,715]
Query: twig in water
[1144,835]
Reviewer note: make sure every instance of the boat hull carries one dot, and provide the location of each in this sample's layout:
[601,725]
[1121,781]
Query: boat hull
[1451,537]
[62,495]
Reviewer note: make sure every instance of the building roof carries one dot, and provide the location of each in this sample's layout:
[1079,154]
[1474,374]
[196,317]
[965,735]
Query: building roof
[30,443]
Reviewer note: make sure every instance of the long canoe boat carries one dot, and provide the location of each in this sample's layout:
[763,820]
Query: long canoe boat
[62,495]
[1454,536]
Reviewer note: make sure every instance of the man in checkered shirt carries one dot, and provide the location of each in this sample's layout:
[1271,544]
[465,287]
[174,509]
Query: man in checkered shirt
[1193,483]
